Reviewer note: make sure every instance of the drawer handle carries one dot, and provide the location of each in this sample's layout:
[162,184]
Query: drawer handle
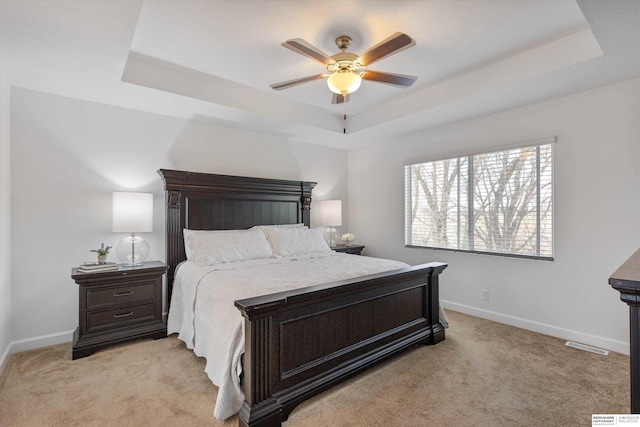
[117,316]
[123,294]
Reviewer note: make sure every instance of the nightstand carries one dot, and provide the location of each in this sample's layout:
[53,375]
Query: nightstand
[118,306]
[352,249]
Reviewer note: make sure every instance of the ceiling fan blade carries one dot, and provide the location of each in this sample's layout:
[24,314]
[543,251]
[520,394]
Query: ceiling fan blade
[295,82]
[339,99]
[389,78]
[305,48]
[389,46]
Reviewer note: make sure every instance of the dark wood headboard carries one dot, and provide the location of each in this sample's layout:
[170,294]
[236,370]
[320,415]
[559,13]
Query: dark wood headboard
[201,201]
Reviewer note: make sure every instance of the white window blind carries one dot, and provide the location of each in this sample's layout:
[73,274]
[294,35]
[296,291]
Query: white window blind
[497,203]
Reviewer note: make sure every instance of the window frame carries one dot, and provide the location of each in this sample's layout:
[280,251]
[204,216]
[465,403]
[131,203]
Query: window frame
[408,203]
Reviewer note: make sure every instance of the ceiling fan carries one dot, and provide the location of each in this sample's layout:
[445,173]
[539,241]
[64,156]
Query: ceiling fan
[346,70]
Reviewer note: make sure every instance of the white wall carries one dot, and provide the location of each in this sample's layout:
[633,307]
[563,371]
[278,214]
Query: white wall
[5,221]
[597,220]
[69,155]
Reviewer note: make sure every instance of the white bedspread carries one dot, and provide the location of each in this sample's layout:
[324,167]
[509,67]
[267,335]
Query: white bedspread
[203,312]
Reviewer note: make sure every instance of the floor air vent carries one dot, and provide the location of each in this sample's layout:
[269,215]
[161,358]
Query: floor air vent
[587,348]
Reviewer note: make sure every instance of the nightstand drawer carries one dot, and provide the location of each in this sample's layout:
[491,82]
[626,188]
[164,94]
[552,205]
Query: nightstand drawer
[121,316]
[121,294]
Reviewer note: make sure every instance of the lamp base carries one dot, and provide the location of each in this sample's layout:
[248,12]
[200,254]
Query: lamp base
[332,237]
[132,250]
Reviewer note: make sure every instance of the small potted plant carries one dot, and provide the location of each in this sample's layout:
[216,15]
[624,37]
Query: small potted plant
[102,252]
[347,238]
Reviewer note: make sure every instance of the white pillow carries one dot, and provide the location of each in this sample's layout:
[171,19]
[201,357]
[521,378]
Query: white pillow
[286,242]
[210,247]
[263,227]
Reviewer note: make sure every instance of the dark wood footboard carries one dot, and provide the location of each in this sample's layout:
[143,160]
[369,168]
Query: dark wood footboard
[300,343]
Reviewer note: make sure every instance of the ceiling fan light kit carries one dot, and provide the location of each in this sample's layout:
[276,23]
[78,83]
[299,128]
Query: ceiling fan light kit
[344,82]
[346,70]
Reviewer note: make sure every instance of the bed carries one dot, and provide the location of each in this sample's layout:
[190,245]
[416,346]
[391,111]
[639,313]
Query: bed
[300,341]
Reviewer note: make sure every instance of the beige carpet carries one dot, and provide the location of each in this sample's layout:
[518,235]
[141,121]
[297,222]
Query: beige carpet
[483,374]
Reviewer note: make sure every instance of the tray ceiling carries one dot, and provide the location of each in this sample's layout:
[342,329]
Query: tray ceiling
[215,60]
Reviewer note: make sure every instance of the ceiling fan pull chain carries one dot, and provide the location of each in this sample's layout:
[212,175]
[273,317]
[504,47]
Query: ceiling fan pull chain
[344,117]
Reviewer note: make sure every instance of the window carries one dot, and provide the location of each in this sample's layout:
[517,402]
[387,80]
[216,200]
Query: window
[496,203]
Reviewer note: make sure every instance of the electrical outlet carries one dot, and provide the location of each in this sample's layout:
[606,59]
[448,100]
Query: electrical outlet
[485,295]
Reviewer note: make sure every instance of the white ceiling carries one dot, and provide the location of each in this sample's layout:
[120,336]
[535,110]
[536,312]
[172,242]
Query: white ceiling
[215,59]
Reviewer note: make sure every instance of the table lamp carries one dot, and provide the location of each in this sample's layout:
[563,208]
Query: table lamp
[132,213]
[331,216]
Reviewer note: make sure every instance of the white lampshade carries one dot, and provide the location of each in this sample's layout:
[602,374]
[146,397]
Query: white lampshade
[344,82]
[331,213]
[132,212]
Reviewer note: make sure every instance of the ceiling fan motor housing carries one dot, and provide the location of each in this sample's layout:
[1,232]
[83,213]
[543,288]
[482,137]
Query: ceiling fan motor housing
[344,61]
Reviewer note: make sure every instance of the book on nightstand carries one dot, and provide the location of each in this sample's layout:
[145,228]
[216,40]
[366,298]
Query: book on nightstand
[94,267]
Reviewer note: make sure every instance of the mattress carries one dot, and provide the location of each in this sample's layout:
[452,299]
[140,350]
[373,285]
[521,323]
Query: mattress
[205,318]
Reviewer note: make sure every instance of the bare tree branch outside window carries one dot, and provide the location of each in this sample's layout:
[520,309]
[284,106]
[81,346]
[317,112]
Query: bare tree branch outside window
[499,202]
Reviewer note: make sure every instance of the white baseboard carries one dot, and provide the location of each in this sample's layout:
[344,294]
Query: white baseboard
[542,328]
[4,359]
[32,344]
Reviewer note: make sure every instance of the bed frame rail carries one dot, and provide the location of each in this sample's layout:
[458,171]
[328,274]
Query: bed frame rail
[300,343]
